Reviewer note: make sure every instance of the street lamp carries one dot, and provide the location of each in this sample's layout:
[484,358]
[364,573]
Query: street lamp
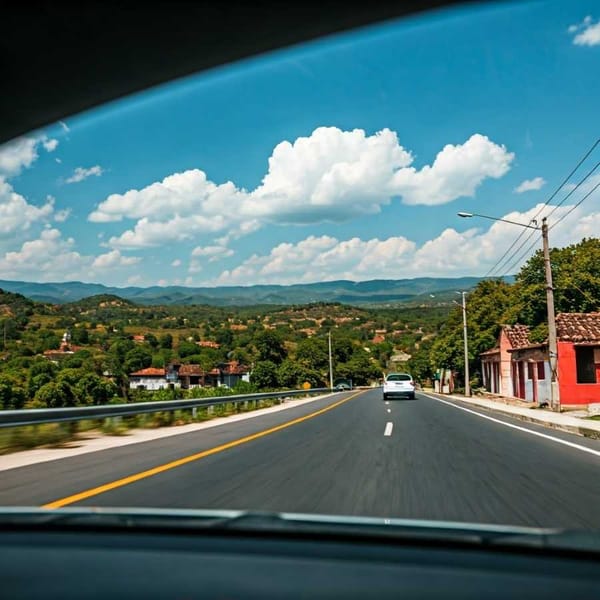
[552,343]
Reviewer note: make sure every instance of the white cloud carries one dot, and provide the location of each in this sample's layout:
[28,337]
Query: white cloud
[60,216]
[134,279]
[588,32]
[530,184]
[324,258]
[65,127]
[176,263]
[113,260]
[16,214]
[214,253]
[329,176]
[51,257]
[50,145]
[451,254]
[82,173]
[58,160]
[17,154]
[195,266]
[456,172]
[48,258]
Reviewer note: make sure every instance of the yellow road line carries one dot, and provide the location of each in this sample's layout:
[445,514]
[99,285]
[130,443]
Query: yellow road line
[188,459]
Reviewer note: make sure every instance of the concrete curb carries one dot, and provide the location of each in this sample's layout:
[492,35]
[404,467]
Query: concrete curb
[575,428]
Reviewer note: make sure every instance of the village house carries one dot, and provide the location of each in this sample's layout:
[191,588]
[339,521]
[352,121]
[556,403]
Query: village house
[151,378]
[526,373]
[189,376]
[496,362]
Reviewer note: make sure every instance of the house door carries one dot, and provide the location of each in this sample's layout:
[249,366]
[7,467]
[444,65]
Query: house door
[521,370]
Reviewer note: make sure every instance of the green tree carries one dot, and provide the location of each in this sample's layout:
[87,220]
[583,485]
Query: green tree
[55,395]
[264,375]
[313,353]
[269,347]
[166,341]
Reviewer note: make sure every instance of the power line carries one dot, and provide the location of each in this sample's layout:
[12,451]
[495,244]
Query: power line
[576,205]
[518,260]
[582,160]
[571,192]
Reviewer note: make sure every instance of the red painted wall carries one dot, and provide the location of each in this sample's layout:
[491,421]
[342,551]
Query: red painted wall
[572,392]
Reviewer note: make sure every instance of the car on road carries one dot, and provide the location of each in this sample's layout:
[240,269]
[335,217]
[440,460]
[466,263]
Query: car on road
[399,385]
[342,387]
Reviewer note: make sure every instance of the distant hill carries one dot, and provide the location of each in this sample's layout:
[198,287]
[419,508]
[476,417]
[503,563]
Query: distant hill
[377,291]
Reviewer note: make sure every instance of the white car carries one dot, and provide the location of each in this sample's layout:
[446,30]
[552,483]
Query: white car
[400,385]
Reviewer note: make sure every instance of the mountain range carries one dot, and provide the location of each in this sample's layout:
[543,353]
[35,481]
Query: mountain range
[428,290]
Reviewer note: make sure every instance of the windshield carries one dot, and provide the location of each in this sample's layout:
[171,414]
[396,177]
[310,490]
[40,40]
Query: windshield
[399,377]
[205,286]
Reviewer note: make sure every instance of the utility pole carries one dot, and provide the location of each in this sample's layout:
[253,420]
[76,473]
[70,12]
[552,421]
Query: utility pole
[330,362]
[466,345]
[552,343]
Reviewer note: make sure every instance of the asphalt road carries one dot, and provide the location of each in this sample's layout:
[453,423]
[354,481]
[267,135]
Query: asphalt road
[421,459]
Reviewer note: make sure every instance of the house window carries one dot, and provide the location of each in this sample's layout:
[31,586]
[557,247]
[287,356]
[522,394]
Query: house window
[529,370]
[541,370]
[584,358]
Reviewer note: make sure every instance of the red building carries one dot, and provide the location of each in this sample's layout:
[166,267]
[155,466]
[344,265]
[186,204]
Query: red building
[578,357]
[578,376]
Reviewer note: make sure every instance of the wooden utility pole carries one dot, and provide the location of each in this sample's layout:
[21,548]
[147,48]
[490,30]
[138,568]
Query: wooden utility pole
[552,343]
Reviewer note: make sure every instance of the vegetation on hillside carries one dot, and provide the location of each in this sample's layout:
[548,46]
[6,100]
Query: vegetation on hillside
[109,338]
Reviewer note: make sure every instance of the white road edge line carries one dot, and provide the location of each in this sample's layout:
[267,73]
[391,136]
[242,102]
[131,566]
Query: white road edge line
[537,433]
[388,428]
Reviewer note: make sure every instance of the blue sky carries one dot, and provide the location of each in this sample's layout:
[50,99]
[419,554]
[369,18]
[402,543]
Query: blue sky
[348,158]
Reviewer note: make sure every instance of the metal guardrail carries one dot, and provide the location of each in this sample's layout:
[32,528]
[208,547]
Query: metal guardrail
[35,416]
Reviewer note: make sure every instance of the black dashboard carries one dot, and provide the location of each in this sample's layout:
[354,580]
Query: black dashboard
[35,563]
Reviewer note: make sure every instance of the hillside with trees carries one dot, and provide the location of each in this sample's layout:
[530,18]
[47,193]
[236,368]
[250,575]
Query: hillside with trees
[83,352]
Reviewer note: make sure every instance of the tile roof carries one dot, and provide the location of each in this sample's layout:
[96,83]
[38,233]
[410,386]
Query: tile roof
[578,327]
[490,352]
[518,335]
[187,370]
[149,372]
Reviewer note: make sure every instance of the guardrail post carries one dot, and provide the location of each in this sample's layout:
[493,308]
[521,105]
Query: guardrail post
[194,412]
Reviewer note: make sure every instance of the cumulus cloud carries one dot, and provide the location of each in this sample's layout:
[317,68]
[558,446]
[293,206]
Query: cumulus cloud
[51,257]
[114,259]
[48,258]
[50,145]
[22,152]
[176,263]
[329,176]
[530,185]
[451,254]
[17,155]
[213,253]
[60,216]
[16,214]
[64,126]
[81,173]
[587,33]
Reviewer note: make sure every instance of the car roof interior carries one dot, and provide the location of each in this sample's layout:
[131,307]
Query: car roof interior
[58,58]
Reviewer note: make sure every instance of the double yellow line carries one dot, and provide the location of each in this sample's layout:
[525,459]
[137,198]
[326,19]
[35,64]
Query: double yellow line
[188,459]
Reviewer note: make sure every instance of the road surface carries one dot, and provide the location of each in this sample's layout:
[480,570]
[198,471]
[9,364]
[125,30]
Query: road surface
[351,453]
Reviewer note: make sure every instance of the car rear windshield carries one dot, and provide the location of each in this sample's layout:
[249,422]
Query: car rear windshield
[399,377]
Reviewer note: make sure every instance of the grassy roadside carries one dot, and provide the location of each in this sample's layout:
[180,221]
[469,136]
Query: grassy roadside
[57,435]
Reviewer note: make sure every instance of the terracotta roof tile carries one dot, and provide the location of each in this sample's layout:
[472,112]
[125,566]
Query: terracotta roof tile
[578,327]
[150,372]
[518,335]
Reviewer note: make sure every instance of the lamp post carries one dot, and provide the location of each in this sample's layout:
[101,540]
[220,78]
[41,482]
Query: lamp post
[552,342]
